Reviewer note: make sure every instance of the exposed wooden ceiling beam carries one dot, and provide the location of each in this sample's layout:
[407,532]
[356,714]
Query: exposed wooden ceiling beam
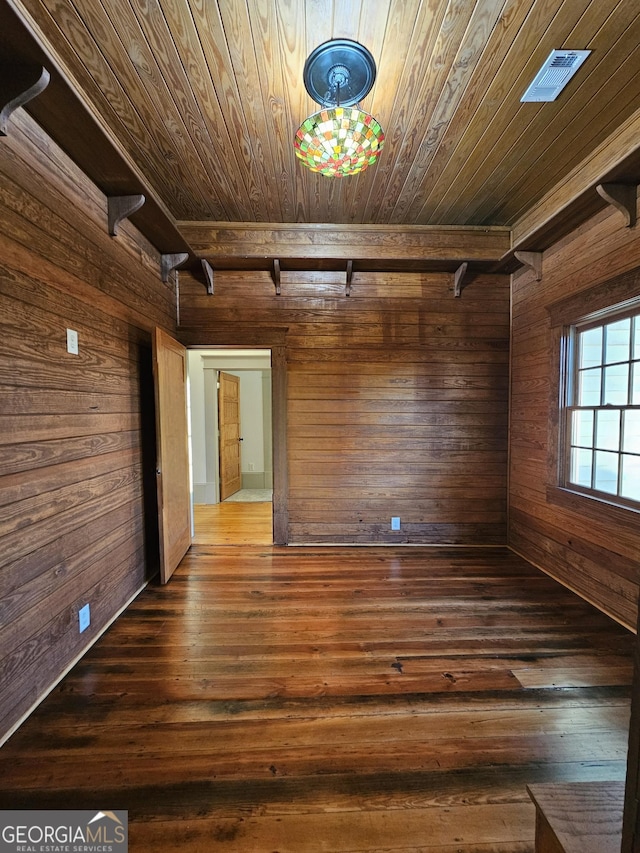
[374,242]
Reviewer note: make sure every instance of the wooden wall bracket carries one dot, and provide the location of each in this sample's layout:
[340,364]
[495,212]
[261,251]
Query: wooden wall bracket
[207,269]
[458,279]
[275,275]
[622,197]
[169,262]
[533,260]
[18,86]
[121,207]
[349,277]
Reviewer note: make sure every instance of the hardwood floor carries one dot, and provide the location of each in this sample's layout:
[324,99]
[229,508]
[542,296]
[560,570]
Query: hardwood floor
[233,524]
[333,699]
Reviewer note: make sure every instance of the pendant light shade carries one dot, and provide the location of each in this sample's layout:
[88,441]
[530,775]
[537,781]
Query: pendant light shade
[341,139]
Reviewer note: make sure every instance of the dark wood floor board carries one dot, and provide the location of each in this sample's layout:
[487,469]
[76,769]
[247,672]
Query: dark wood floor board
[209,759]
[175,687]
[435,616]
[414,637]
[349,831]
[403,668]
[158,799]
[413,622]
[142,650]
[344,699]
[68,709]
[419,726]
[384,583]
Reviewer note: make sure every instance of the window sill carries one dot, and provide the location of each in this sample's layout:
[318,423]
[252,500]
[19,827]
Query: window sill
[593,507]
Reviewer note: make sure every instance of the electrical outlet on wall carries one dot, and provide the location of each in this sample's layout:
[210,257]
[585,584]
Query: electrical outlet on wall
[84,618]
[72,341]
[395,522]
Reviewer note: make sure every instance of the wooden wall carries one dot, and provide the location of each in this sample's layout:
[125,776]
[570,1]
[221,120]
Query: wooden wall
[73,464]
[591,550]
[396,398]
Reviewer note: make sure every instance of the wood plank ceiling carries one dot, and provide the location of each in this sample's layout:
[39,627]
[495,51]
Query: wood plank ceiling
[205,98]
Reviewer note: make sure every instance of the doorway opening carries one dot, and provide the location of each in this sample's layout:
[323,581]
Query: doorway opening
[231,445]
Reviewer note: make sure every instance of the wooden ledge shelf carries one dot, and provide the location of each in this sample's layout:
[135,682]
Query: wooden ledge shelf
[61,111]
[578,817]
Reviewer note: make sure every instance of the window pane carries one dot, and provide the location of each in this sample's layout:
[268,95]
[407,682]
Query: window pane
[608,429]
[606,473]
[580,472]
[589,387]
[582,428]
[616,385]
[601,415]
[590,345]
[617,336]
[631,478]
[631,440]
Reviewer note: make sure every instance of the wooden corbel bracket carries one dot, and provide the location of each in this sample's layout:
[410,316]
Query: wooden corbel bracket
[349,277]
[275,275]
[18,86]
[459,282]
[623,198]
[207,269]
[168,263]
[533,260]
[121,207]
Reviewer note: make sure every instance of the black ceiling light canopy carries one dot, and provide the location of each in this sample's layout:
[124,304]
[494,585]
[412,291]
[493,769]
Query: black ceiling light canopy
[340,72]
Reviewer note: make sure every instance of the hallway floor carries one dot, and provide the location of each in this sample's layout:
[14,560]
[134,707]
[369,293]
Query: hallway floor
[233,523]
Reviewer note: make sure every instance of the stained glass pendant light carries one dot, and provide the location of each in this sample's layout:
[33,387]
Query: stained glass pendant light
[340,139]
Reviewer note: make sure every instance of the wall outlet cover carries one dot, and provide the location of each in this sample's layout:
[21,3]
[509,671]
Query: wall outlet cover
[395,522]
[72,341]
[84,617]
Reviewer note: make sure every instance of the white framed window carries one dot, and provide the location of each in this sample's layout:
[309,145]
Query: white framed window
[600,413]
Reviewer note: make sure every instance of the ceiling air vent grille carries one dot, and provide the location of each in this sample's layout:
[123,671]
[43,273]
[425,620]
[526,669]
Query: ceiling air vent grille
[554,75]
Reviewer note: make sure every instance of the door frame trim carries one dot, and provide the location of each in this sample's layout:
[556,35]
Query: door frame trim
[279,433]
[279,423]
